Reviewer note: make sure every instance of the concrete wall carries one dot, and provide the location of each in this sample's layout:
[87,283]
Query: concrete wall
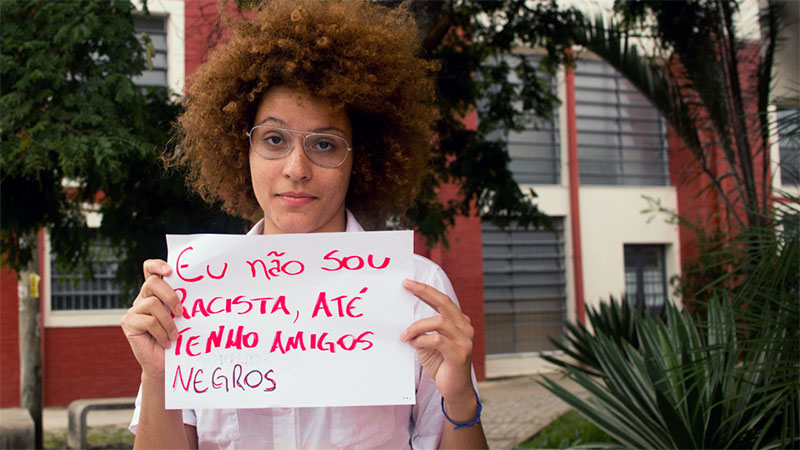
[611,216]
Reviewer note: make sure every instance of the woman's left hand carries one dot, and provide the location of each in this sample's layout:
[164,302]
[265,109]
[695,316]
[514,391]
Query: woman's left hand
[444,347]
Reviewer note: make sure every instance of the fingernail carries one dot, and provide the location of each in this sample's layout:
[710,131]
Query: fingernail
[164,269]
[409,283]
[404,335]
[178,309]
[173,335]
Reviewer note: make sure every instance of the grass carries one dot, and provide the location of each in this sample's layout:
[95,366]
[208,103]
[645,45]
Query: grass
[567,431]
[108,437]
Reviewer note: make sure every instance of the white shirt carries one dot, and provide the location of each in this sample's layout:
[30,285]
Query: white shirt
[416,426]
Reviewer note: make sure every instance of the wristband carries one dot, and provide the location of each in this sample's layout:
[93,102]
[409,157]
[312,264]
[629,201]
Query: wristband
[474,421]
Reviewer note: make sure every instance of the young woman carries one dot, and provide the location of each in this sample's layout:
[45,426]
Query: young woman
[315,115]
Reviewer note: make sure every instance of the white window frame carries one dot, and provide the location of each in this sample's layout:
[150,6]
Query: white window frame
[176,34]
[775,157]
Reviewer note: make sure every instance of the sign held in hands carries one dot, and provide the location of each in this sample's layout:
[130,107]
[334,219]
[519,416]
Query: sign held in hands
[290,320]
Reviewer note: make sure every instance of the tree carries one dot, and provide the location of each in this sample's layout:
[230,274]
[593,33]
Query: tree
[724,375]
[472,37]
[712,87]
[76,131]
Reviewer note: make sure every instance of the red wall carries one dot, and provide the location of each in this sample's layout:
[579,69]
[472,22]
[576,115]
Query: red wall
[463,264]
[698,201]
[91,362]
[9,339]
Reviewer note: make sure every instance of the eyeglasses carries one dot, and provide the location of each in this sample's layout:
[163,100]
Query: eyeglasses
[324,150]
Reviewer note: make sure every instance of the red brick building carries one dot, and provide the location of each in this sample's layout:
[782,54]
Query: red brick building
[591,165]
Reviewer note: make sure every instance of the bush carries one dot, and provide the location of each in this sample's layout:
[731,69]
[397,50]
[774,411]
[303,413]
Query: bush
[727,378]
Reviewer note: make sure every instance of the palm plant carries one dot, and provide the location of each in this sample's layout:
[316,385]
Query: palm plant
[729,378]
[615,319]
[728,374]
[692,72]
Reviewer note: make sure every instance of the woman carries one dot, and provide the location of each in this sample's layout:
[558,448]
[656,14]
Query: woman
[315,115]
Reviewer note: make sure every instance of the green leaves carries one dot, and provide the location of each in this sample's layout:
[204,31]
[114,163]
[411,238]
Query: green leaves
[475,78]
[77,131]
[727,378]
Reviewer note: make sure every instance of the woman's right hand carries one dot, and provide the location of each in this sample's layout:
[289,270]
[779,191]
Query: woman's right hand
[148,325]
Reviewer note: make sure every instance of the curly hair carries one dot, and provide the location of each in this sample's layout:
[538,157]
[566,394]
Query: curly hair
[352,54]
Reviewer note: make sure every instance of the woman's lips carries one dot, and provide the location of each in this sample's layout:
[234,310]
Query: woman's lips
[296,198]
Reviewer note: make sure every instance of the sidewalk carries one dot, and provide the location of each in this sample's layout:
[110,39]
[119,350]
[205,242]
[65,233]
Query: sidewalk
[514,409]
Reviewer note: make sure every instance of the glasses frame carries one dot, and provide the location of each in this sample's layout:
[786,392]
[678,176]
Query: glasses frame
[305,148]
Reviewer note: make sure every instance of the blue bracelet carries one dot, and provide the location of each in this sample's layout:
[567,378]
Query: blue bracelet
[474,421]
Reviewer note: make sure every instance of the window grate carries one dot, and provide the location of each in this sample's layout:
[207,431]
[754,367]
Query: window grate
[524,288]
[534,151]
[789,145]
[72,291]
[155,27]
[621,136]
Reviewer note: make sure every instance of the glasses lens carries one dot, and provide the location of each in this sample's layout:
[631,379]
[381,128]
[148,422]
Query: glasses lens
[271,143]
[326,150]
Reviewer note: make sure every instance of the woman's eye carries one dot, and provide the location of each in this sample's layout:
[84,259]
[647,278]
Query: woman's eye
[273,140]
[324,146]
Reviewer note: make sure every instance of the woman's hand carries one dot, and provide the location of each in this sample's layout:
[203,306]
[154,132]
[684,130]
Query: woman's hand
[444,348]
[148,325]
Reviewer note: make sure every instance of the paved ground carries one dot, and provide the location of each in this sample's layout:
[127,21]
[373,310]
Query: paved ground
[514,409]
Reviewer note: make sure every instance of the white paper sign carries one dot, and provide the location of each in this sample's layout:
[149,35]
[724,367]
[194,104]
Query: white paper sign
[291,320]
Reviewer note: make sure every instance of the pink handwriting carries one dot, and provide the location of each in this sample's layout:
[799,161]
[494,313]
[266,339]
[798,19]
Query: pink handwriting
[231,305]
[353,262]
[292,267]
[253,379]
[322,305]
[319,342]
[179,267]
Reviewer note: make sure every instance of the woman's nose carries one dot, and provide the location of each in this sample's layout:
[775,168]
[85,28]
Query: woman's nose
[298,166]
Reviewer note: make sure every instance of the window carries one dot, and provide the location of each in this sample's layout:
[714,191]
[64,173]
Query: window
[789,144]
[621,136]
[645,277]
[72,291]
[524,288]
[535,158]
[534,151]
[155,27]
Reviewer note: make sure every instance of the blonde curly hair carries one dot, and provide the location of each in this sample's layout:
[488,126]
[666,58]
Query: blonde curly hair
[353,54]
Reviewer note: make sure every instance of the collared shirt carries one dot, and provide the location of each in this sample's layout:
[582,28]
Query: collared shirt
[391,426]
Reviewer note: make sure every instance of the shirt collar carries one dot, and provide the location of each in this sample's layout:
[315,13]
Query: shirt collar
[352,225]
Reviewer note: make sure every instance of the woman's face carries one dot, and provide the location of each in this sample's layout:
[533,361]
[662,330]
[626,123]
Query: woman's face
[296,195]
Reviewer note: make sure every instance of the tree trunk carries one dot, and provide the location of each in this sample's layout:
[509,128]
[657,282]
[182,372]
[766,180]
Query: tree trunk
[30,345]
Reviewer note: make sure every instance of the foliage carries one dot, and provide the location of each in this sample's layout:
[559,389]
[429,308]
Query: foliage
[569,430]
[728,374]
[727,379]
[76,131]
[472,37]
[712,88]
[74,114]
[616,319]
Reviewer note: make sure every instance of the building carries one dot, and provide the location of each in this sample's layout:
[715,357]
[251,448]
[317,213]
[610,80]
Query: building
[596,165]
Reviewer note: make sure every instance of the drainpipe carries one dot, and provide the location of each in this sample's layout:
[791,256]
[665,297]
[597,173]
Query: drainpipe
[574,200]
